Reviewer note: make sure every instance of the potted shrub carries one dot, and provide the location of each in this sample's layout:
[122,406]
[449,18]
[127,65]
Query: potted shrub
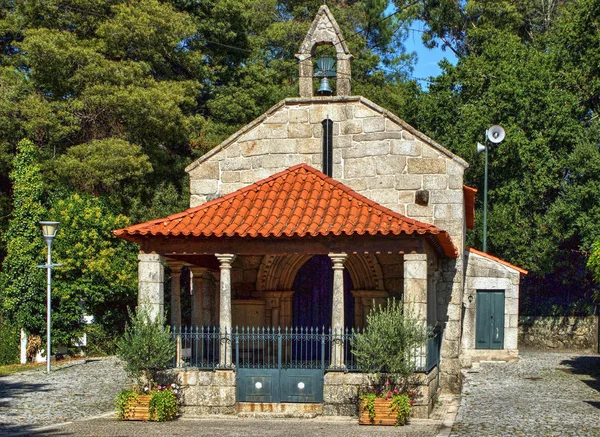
[146,348]
[386,351]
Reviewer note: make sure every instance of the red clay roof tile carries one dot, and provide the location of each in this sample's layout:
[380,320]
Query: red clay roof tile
[298,201]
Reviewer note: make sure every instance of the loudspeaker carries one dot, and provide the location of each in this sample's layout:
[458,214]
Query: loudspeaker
[480,147]
[495,134]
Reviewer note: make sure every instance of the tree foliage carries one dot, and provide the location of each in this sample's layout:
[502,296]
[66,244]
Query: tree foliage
[23,299]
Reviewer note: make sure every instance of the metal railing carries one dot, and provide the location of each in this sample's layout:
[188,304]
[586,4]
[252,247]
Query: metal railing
[279,348]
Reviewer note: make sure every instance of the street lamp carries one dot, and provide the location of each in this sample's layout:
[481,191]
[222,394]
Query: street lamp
[494,134]
[49,231]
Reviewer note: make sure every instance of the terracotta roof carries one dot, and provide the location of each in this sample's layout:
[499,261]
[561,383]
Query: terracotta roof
[498,260]
[469,194]
[299,201]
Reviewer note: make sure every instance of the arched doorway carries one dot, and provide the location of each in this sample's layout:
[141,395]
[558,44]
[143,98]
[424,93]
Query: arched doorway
[312,300]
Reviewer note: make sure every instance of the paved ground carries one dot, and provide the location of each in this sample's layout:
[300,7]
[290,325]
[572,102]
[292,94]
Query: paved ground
[73,390]
[543,395]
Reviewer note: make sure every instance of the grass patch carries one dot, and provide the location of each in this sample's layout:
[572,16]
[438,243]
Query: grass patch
[9,369]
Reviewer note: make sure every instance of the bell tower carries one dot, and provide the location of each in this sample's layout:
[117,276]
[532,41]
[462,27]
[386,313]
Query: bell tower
[324,30]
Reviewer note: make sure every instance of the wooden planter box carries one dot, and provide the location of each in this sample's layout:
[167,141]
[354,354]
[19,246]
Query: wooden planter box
[138,410]
[383,414]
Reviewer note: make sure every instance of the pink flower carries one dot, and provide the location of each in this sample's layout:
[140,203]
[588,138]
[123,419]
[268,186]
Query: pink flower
[395,390]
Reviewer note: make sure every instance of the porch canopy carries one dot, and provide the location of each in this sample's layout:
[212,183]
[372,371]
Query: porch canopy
[297,211]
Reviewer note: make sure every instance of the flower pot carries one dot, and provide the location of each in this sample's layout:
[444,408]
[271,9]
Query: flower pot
[137,409]
[383,414]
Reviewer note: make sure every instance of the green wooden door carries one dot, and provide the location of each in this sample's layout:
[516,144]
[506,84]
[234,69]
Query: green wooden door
[489,331]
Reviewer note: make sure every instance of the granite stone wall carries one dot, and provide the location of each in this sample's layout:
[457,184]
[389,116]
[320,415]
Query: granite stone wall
[579,333]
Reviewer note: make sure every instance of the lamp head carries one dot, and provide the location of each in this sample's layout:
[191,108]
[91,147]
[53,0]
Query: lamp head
[49,230]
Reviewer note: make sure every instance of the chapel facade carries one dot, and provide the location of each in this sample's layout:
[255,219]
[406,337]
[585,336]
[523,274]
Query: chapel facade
[320,209]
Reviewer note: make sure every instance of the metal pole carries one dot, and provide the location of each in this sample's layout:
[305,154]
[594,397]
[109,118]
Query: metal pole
[49,302]
[485,188]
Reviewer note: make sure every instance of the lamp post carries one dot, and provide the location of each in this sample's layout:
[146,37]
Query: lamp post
[494,134]
[49,231]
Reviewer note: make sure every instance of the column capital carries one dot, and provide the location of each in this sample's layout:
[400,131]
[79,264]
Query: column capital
[338,260]
[415,257]
[225,259]
[175,265]
[150,257]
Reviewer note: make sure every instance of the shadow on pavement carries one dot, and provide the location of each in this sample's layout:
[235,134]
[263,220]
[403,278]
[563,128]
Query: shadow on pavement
[10,390]
[28,430]
[586,365]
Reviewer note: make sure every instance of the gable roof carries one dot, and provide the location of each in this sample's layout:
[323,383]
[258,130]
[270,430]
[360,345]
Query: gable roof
[299,201]
[324,101]
[320,30]
[498,260]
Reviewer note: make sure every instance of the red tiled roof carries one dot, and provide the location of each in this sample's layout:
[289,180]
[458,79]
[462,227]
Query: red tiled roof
[469,194]
[299,201]
[498,260]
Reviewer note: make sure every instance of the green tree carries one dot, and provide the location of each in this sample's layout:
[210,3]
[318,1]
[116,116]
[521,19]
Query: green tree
[22,283]
[99,272]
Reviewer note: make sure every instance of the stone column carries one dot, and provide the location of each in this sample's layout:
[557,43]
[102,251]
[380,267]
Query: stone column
[337,313]
[175,267]
[343,87]
[305,79]
[415,294]
[151,277]
[197,291]
[225,261]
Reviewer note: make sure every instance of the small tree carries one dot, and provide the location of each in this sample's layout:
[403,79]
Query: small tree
[387,348]
[146,347]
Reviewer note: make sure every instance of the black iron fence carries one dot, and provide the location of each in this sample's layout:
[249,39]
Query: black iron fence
[279,348]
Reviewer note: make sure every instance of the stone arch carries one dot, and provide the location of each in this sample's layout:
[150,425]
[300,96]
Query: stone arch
[277,272]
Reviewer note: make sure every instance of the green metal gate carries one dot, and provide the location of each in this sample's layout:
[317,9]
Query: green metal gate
[489,331]
[281,366]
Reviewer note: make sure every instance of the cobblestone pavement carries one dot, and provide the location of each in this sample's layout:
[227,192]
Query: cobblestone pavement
[545,394]
[238,427]
[73,390]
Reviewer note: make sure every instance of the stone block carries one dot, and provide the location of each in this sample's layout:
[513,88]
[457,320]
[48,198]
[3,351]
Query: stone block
[340,394]
[382,196]
[409,182]
[406,197]
[406,135]
[447,196]
[435,182]
[359,168]
[454,168]
[511,306]
[359,185]
[373,124]
[310,145]
[455,182]
[392,126]
[406,148]
[300,130]
[230,188]
[380,182]
[356,150]
[426,166]
[281,116]
[361,111]
[254,148]
[298,115]
[272,131]
[204,186]
[376,136]
[511,338]
[251,135]
[235,164]
[419,211]
[196,200]
[207,170]
[358,379]
[390,165]
[230,177]
[318,113]
[286,146]
[342,142]
[225,378]
[233,152]
[333,378]
[204,377]
[350,127]
[430,152]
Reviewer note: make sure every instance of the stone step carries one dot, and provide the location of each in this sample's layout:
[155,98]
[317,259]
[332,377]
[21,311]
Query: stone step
[278,415]
[268,410]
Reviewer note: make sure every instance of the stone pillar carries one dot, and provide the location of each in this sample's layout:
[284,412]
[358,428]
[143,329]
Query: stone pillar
[175,267]
[305,79]
[151,277]
[342,87]
[225,261]
[337,313]
[23,347]
[197,291]
[415,294]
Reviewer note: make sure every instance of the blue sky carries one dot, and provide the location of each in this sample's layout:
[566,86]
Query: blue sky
[428,59]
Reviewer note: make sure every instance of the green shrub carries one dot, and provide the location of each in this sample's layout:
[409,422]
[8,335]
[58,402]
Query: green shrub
[163,405]
[146,348]
[9,343]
